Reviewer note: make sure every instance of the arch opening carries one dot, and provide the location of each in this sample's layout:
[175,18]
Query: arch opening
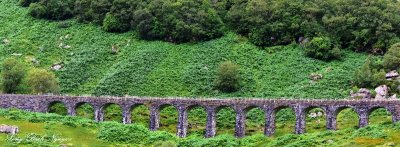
[85,110]
[285,120]
[112,112]
[346,117]
[197,119]
[315,119]
[140,114]
[168,118]
[58,107]
[255,121]
[379,115]
[226,120]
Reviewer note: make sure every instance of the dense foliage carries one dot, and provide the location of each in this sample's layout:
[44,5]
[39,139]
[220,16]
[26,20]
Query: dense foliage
[362,25]
[322,48]
[228,77]
[42,81]
[13,72]
[391,60]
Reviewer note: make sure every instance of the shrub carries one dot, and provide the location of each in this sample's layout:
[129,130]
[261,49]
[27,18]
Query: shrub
[116,132]
[26,3]
[391,60]
[37,10]
[52,9]
[111,24]
[13,72]
[368,76]
[322,48]
[228,78]
[42,81]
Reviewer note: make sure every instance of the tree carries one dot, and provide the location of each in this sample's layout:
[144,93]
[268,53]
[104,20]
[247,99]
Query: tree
[13,73]
[42,81]
[391,60]
[228,78]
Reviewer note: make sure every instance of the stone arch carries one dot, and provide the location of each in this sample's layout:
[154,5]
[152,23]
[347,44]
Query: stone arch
[280,125]
[84,113]
[168,117]
[139,113]
[255,119]
[339,119]
[373,109]
[116,115]
[63,105]
[315,121]
[197,119]
[229,121]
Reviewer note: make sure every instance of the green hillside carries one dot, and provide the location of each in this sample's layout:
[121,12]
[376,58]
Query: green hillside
[155,68]
[160,68]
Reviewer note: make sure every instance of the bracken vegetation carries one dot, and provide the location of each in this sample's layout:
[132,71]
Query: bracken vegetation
[193,48]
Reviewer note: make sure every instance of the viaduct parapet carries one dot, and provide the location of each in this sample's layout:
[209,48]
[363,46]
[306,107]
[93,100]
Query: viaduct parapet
[332,108]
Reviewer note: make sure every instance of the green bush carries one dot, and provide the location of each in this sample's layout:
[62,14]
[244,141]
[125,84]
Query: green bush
[322,48]
[111,24]
[52,9]
[370,75]
[391,60]
[37,10]
[228,77]
[117,132]
[41,81]
[26,3]
[13,73]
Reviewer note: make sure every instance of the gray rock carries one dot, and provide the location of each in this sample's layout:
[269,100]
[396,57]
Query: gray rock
[381,92]
[392,75]
[56,67]
[363,93]
[9,129]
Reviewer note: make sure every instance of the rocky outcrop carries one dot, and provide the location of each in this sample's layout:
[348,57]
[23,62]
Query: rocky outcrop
[382,92]
[363,93]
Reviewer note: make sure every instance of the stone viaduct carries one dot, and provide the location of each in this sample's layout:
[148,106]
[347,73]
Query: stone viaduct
[183,105]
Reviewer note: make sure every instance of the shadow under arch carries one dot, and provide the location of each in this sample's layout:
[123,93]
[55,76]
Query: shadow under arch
[380,115]
[285,120]
[197,120]
[84,109]
[255,120]
[140,114]
[226,120]
[57,107]
[168,118]
[112,112]
[346,117]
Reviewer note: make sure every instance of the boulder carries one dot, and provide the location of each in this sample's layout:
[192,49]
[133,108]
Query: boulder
[392,75]
[9,129]
[56,67]
[381,92]
[362,93]
[315,76]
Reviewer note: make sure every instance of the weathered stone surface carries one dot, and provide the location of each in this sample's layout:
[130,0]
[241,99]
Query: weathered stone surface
[331,109]
[381,92]
[392,74]
[362,93]
[9,129]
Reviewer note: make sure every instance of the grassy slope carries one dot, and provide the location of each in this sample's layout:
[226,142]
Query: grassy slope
[154,68]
